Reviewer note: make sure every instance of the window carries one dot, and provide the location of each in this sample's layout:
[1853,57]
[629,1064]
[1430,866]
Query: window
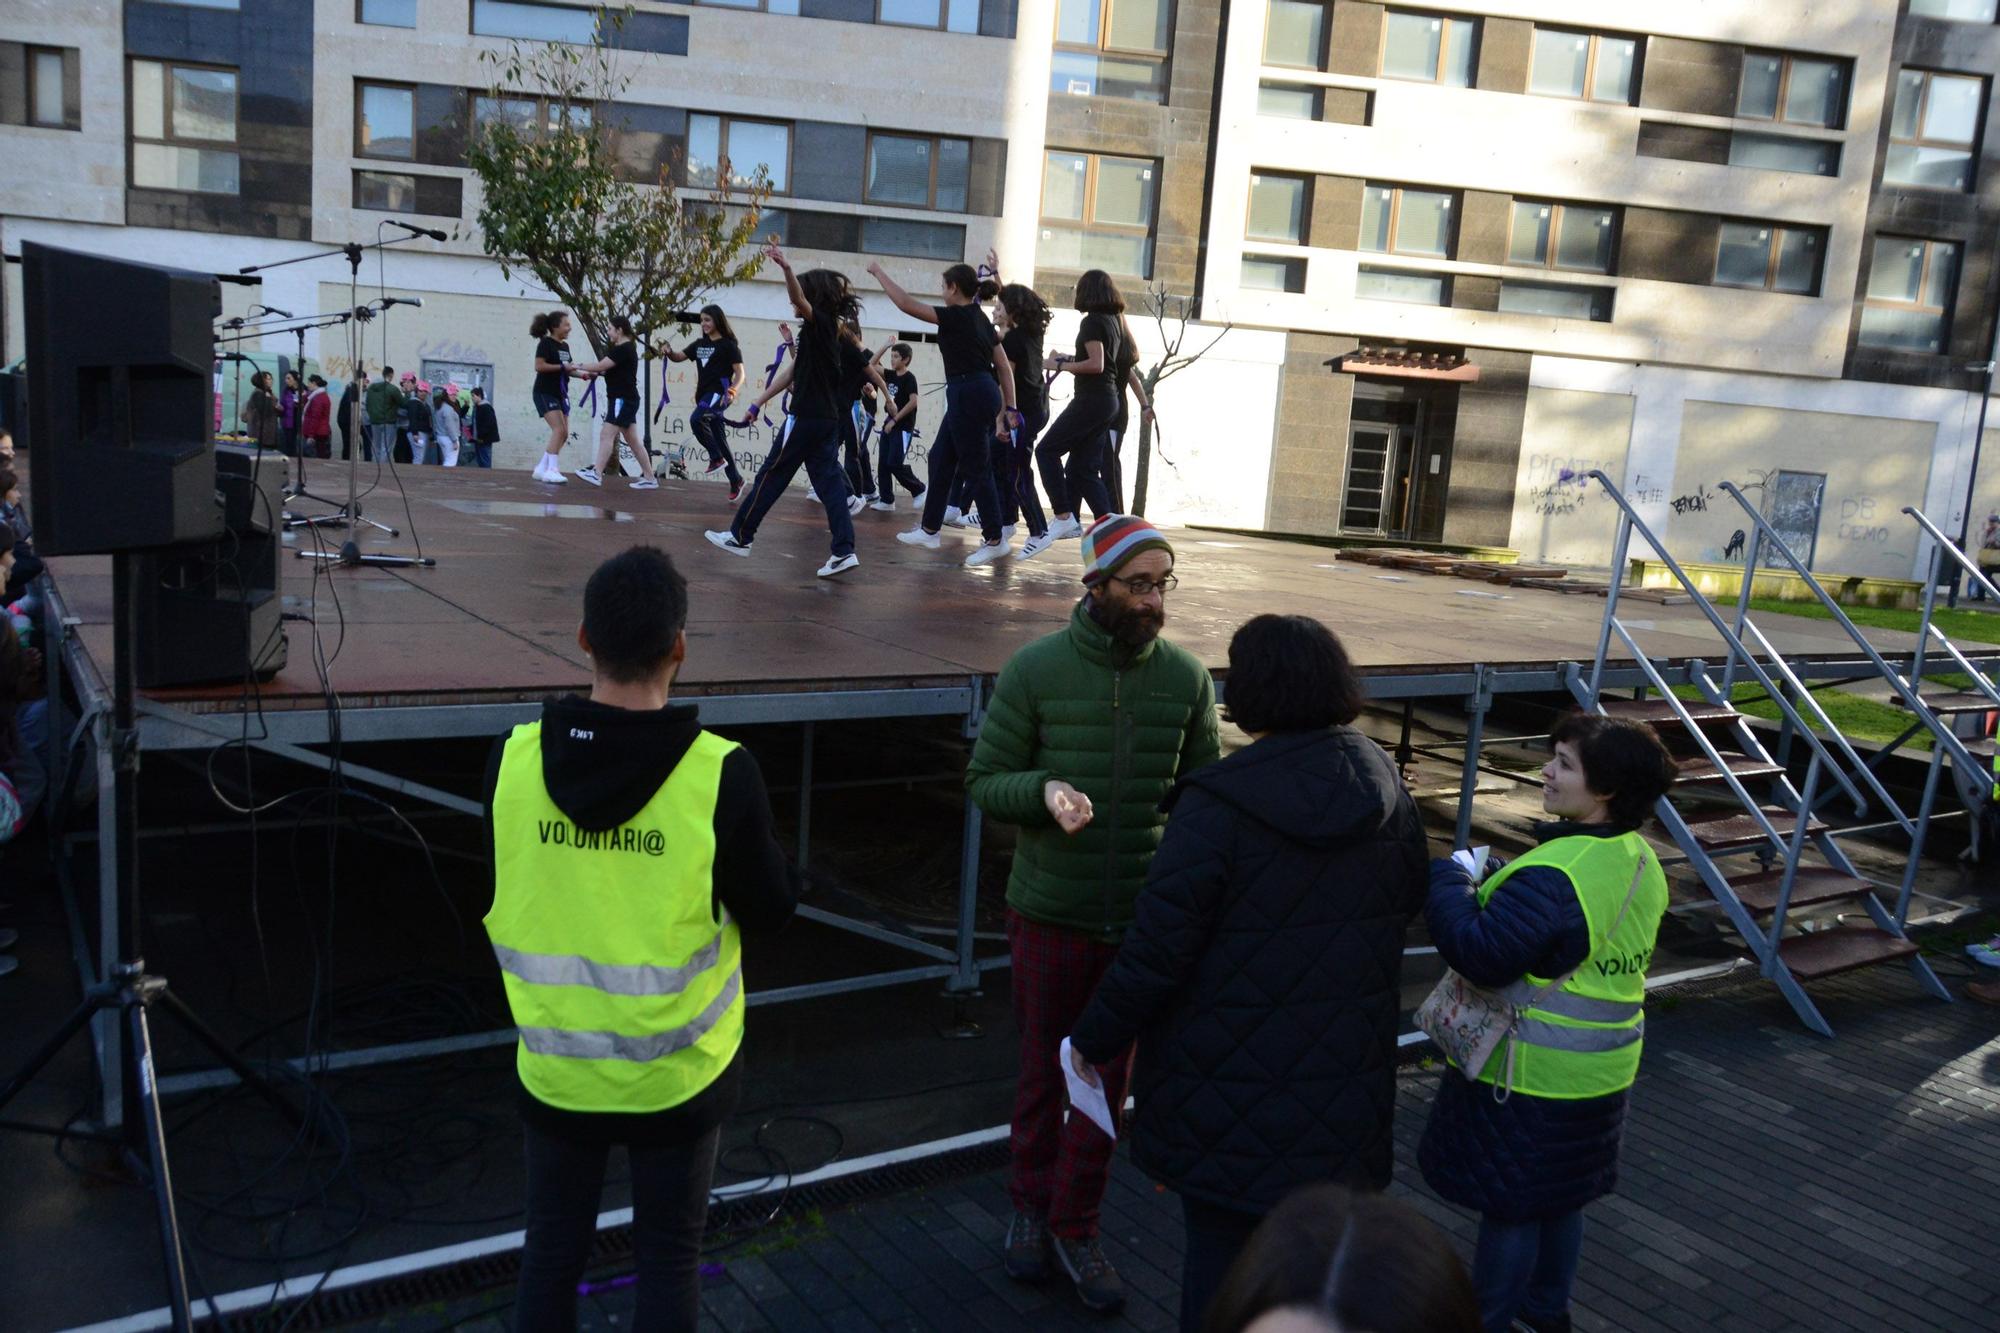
[768,6]
[1277,208]
[1931,134]
[207,4]
[1969,11]
[1783,152]
[1396,221]
[1555,300]
[384,120]
[1799,89]
[1295,34]
[45,88]
[528,115]
[951,15]
[1908,302]
[1112,48]
[1097,212]
[746,144]
[388,13]
[1593,66]
[1293,101]
[1394,284]
[534,23]
[385,192]
[916,240]
[1429,48]
[1270,273]
[183,127]
[1777,259]
[923,173]
[1571,236]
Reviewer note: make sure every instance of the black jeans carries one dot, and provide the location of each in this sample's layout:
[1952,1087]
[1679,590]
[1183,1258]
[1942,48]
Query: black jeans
[669,1210]
[1014,476]
[964,447]
[812,443]
[892,466]
[854,449]
[1080,435]
[709,430]
[1215,1236]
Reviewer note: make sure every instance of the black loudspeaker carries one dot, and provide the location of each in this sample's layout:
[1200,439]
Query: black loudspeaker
[210,612]
[121,360]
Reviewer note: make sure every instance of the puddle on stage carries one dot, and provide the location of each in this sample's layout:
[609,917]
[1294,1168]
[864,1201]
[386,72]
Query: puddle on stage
[523,509]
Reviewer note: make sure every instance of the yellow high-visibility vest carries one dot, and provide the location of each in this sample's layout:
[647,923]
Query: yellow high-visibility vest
[627,990]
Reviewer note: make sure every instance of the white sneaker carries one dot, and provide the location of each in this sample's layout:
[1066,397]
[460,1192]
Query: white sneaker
[552,471]
[727,541]
[953,517]
[1008,530]
[812,495]
[541,466]
[589,474]
[645,483]
[918,537]
[838,564]
[988,552]
[855,504]
[1036,544]
[883,506]
[1065,527]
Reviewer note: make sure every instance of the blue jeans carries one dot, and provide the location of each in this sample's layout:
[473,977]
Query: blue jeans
[1526,1268]
[482,455]
[814,444]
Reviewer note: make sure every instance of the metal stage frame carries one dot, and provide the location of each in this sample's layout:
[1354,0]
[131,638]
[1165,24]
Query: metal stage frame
[292,732]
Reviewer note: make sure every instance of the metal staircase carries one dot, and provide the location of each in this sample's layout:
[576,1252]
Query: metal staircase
[1748,831]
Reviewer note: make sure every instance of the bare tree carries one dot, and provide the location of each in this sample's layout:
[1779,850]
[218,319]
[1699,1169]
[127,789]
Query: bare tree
[1173,316]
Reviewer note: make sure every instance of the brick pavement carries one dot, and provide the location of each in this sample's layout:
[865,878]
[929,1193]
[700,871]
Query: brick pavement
[1773,1182]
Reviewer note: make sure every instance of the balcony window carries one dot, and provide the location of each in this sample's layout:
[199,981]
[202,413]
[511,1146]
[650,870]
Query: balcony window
[1277,208]
[1569,236]
[387,14]
[1112,48]
[1555,300]
[574,24]
[746,144]
[951,15]
[1933,130]
[184,127]
[46,88]
[918,172]
[1397,221]
[1097,212]
[1594,66]
[1784,152]
[1289,101]
[1966,11]
[1908,303]
[1430,48]
[1776,259]
[1273,273]
[768,6]
[1405,288]
[1800,90]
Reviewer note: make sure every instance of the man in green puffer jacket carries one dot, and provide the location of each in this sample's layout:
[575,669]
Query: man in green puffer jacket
[1087,731]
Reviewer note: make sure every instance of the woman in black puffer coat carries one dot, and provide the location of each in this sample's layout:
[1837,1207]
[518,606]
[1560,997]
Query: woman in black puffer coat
[1262,975]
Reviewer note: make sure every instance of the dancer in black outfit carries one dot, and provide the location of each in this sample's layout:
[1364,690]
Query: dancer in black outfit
[718,375]
[1080,432]
[898,427]
[1023,322]
[620,369]
[553,370]
[973,416]
[854,445]
[1128,377]
[824,301]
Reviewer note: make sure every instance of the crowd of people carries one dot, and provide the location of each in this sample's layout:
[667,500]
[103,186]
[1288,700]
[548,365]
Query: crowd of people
[1221,935]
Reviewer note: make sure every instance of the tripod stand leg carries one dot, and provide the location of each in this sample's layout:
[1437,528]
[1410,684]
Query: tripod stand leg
[155,1130]
[206,1035]
[58,1039]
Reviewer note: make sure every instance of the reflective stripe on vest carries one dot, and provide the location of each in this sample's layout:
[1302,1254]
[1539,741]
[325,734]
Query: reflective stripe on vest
[625,987]
[1583,1038]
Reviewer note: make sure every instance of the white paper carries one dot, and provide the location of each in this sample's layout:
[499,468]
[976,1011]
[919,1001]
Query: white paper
[1083,1097]
[1474,860]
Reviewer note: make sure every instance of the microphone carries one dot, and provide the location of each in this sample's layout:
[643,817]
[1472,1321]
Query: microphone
[431,232]
[388,301]
[273,310]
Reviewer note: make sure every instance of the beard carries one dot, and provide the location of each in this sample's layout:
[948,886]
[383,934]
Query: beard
[1131,625]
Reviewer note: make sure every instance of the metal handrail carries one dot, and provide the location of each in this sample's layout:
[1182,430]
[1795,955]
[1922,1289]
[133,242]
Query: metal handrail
[1979,678]
[1707,608]
[1950,548]
[1903,688]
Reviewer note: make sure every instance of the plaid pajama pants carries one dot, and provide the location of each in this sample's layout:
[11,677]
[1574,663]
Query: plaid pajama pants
[1057,1167]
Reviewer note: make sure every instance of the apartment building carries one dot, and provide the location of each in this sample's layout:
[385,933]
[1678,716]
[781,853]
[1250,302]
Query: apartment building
[220,134]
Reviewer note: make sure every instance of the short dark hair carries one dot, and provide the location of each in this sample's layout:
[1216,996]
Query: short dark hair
[1097,294]
[387,370]
[1622,761]
[902,350]
[1366,1260]
[633,606]
[1290,673]
[478,392]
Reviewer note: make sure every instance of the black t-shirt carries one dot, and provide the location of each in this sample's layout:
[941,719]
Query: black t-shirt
[853,375]
[966,338]
[826,361]
[622,380]
[903,389]
[550,382]
[1025,351]
[1128,358]
[1099,329]
[716,360]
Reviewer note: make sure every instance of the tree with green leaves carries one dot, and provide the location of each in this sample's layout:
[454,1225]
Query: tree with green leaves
[1172,316]
[556,206]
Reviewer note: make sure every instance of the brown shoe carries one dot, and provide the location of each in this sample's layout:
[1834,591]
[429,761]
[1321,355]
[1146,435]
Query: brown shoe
[1986,992]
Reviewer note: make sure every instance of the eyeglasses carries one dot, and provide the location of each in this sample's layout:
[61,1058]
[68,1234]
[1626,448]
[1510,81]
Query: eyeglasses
[1146,587]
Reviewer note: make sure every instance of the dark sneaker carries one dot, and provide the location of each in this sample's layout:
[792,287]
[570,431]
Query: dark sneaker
[1098,1285]
[1028,1248]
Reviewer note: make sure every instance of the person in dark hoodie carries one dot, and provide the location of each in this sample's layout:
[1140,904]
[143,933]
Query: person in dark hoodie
[1533,1137]
[630,848]
[1261,976]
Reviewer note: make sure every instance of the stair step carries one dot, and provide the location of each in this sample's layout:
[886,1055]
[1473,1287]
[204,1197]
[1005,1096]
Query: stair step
[1811,887]
[1983,749]
[1946,705]
[1660,712]
[1700,768]
[1823,953]
[1727,830]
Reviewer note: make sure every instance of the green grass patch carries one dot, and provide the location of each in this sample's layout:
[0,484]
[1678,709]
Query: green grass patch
[1857,718]
[1959,626]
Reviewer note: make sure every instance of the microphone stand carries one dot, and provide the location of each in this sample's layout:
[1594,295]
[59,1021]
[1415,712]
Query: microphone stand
[350,554]
[339,517]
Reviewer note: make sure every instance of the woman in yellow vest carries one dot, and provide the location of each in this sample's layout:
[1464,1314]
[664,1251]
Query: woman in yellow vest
[1533,1137]
[629,847]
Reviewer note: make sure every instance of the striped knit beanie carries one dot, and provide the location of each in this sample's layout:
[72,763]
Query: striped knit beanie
[1115,539]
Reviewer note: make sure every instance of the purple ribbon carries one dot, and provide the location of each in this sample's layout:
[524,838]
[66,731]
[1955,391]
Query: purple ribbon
[589,400]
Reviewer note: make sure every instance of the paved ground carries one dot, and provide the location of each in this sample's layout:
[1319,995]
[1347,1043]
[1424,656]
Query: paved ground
[1773,1182]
